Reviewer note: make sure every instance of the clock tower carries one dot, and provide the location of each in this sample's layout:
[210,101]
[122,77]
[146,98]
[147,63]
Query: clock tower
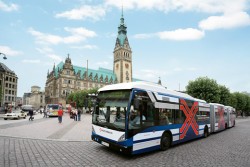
[122,55]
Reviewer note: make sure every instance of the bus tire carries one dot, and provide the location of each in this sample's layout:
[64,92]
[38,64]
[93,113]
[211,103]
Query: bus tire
[225,126]
[206,132]
[166,141]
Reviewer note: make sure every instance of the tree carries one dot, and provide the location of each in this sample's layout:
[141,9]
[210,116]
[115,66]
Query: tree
[204,88]
[232,100]
[247,107]
[241,102]
[80,97]
[70,98]
[224,95]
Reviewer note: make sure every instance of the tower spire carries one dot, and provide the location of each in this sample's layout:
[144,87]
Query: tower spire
[122,64]
[122,10]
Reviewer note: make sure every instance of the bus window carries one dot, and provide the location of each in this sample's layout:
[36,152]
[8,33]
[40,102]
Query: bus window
[165,116]
[143,115]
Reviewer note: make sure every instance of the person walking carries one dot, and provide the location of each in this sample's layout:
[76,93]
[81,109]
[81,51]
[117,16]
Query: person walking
[60,114]
[31,114]
[75,114]
[44,112]
[79,112]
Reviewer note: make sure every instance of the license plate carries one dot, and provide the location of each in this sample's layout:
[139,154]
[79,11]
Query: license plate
[105,144]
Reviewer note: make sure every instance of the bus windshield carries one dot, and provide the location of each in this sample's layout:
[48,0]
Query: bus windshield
[53,106]
[111,108]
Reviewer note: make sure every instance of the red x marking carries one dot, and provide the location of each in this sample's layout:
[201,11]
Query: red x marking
[221,123]
[190,115]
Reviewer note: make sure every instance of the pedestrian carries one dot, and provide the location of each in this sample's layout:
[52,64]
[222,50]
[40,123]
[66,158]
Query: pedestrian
[79,112]
[41,110]
[60,114]
[75,114]
[45,112]
[5,109]
[31,114]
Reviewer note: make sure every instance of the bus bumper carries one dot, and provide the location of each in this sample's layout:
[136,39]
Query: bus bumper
[112,145]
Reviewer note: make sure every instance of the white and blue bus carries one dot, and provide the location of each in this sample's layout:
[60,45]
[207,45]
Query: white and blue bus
[138,117]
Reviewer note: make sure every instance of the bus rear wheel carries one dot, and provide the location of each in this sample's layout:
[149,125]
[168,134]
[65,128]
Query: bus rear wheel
[165,141]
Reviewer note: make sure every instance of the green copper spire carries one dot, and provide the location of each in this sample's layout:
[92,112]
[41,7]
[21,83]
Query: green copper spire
[122,30]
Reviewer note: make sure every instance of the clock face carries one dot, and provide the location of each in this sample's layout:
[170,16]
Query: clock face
[126,65]
[117,66]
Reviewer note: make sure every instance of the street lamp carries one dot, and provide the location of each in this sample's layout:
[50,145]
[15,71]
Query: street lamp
[4,56]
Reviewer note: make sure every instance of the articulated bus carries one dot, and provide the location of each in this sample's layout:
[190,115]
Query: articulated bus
[138,117]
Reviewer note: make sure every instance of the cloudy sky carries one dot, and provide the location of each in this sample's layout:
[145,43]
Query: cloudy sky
[176,40]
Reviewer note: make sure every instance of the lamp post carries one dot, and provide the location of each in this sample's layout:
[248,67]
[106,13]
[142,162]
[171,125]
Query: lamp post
[4,56]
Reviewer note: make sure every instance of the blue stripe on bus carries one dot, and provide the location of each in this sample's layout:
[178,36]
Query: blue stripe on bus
[143,140]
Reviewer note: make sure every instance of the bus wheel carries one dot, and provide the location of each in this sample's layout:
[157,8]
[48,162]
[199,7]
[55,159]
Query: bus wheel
[165,141]
[205,132]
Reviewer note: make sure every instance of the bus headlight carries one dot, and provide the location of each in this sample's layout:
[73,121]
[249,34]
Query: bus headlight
[122,138]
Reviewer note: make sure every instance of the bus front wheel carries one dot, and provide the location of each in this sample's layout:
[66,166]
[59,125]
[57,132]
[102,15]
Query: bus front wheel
[165,141]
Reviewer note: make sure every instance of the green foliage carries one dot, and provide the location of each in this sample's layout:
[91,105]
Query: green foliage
[70,98]
[204,88]
[241,101]
[208,90]
[80,96]
[224,95]
[232,100]
[248,106]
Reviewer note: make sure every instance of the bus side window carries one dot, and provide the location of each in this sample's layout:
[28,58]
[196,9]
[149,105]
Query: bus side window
[179,117]
[165,116]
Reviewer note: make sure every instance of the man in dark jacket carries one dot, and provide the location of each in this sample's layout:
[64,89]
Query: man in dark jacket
[79,112]
[31,115]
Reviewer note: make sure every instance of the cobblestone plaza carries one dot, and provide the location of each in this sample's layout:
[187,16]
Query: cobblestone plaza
[44,142]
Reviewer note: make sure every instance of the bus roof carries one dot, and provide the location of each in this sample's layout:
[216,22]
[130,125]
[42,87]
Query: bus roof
[145,86]
[217,104]
[200,100]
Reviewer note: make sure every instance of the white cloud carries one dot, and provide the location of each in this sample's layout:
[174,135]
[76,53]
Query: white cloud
[8,8]
[181,34]
[9,52]
[208,6]
[55,58]
[83,32]
[90,47]
[227,21]
[44,50]
[78,35]
[84,12]
[31,61]
[233,13]
[145,4]
[143,36]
